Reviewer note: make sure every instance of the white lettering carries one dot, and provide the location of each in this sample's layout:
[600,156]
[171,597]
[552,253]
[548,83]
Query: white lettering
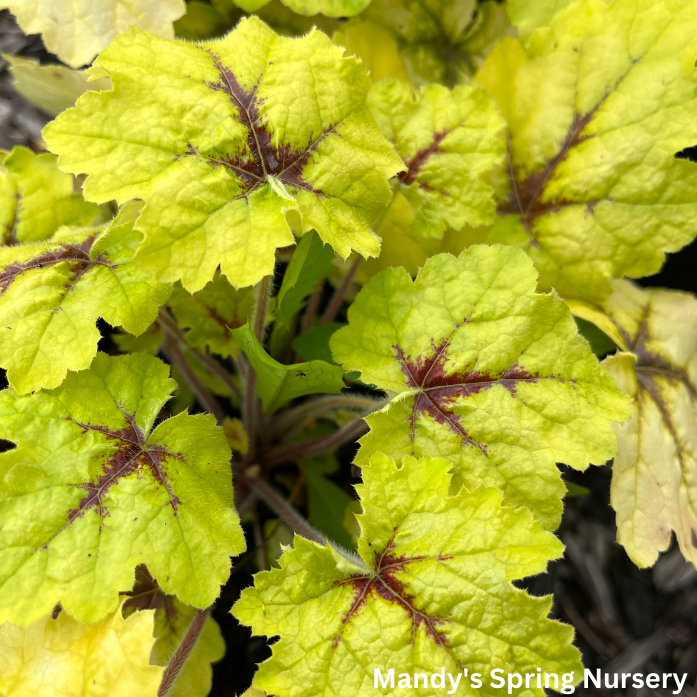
[597,680]
[511,677]
[501,682]
[679,683]
[454,683]
[389,679]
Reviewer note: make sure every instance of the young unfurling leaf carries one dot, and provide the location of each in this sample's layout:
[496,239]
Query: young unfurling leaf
[654,476]
[52,294]
[76,30]
[237,121]
[485,372]
[36,199]
[596,109]
[431,588]
[64,657]
[92,490]
[447,140]
[277,384]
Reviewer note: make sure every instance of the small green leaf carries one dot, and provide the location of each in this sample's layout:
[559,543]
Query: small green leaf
[484,371]
[448,141]
[36,199]
[277,384]
[575,490]
[52,294]
[210,315]
[314,343]
[431,588]
[92,490]
[229,114]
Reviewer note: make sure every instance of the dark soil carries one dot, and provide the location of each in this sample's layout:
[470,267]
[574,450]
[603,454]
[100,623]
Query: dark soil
[627,620]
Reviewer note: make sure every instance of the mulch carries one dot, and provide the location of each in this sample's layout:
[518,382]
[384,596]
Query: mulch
[627,620]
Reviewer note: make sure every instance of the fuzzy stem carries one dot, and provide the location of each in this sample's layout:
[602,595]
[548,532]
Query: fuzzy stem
[284,510]
[183,651]
[201,392]
[340,292]
[354,429]
[169,325]
[318,406]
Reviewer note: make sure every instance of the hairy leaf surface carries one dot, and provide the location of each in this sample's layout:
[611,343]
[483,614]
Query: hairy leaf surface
[211,314]
[53,292]
[229,136]
[425,41]
[485,372]
[654,476]
[417,597]
[65,657]
[447,140]
[277,384]
[596,108]
[92,490]
[36,199]
[77,30]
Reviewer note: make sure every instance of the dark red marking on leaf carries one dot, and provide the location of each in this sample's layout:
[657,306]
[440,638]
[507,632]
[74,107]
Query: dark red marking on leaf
[384,583]
[10,235]
[262,157]
[77,256]
[131,455]
[419,160]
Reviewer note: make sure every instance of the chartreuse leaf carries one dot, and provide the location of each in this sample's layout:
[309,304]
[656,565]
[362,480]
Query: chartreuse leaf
[92,490]
[277,384]
[62,656]
[528,15]
[308,8]
[448,141]
[36,199]
[76,30]
[416,599]
[654,476]
[52,88]
[424,41]
[485,372]
[248,128]
[211,314]
[596,109]
[53,292]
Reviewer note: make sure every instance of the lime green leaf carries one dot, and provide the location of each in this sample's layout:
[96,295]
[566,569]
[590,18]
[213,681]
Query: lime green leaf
[210,314]
[448,141]
[276,537]
[171,623]
[485,372]
[309,8]
[286,22]
[52,293]
[52,88]
[575,490]
[277,384]
[314,343]
[36,199]
[236,435]
[64,657]
[528,15]
[654,476]
[229,114]
[92,490]
[416,599]
[596,109]
[76,30]
[441,41]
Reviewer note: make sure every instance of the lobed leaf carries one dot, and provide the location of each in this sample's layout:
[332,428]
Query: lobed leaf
[485,372]
[77,30]
[211,314]
[654,476]
[597,107]
[65,657]
[36,199]
[448,141]
[92,490]
[229,136]
[417,597]
[53,292]
[277,384]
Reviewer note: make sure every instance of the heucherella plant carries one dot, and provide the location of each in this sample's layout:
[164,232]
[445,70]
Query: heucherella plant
[298,261]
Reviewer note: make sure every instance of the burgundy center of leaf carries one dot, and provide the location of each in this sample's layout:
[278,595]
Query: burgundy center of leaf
[261,157]
[132,454]
[386,584]
[439,392]
[77,256]
[415,165]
